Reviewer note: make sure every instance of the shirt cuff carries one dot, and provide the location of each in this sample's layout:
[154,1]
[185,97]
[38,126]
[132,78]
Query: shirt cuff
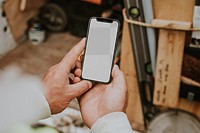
[116,122]
[41,106]
[21,100]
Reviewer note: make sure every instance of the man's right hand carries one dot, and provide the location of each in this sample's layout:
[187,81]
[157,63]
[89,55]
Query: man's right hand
[104,98]
[58,90]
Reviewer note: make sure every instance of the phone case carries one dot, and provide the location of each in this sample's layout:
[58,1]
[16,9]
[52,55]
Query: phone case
[103,20]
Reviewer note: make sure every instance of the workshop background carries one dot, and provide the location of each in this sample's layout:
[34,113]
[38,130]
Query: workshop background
[158,50]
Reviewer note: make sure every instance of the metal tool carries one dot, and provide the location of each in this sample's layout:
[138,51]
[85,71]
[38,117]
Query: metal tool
[140,48]
[174,121]
[148,15]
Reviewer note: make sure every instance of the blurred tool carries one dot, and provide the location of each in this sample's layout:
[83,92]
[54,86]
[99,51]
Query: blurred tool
[140,49]
[174,121]
[36,32]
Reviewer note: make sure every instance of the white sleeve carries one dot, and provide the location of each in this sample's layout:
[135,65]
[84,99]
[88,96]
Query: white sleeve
[116,122]
[21,100]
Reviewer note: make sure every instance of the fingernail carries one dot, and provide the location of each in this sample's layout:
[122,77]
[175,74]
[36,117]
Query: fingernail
[83,38]
[83,41]
[115,67]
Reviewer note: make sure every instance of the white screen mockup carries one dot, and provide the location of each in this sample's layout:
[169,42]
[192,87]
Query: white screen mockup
[99,50]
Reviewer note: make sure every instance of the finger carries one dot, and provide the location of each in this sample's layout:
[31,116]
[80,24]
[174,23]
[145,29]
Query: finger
[78,64]
[118,77]
[76,80]
[79,88]
[68,62]
[77,72]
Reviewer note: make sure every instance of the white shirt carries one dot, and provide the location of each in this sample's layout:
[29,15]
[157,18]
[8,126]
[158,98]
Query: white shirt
[22,101]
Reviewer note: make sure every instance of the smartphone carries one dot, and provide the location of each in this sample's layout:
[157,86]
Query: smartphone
[100,49]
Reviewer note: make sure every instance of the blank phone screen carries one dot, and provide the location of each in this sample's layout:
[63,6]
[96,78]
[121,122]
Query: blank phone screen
[99,51]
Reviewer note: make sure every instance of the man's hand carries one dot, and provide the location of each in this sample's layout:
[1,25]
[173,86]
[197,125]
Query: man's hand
[103,98]
[58,90]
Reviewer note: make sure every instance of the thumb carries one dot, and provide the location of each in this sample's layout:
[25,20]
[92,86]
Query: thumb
[79,88]
[118,77]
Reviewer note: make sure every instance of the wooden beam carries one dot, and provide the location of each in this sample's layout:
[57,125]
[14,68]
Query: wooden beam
[170,50]
[171,24]
[175,10]
[127,65]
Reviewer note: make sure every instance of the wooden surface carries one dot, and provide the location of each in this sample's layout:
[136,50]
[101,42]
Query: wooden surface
[168,70]
[171,24]
[170,51]
[127,65]
[192,107]
[37,59]
[173,10]
[18,19]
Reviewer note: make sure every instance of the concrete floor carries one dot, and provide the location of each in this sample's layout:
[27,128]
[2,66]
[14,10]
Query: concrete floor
[36,59]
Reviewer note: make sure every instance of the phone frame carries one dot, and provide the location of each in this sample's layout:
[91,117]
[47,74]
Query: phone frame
[107,20]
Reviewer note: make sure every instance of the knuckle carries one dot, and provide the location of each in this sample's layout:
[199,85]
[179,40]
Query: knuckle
[85,86]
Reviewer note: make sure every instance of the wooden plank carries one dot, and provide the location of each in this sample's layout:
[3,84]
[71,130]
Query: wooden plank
[174,10]
[189,81]
[168,71]
[17,19]
[134,109]
[192,107]
[170,51]
[171,24]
